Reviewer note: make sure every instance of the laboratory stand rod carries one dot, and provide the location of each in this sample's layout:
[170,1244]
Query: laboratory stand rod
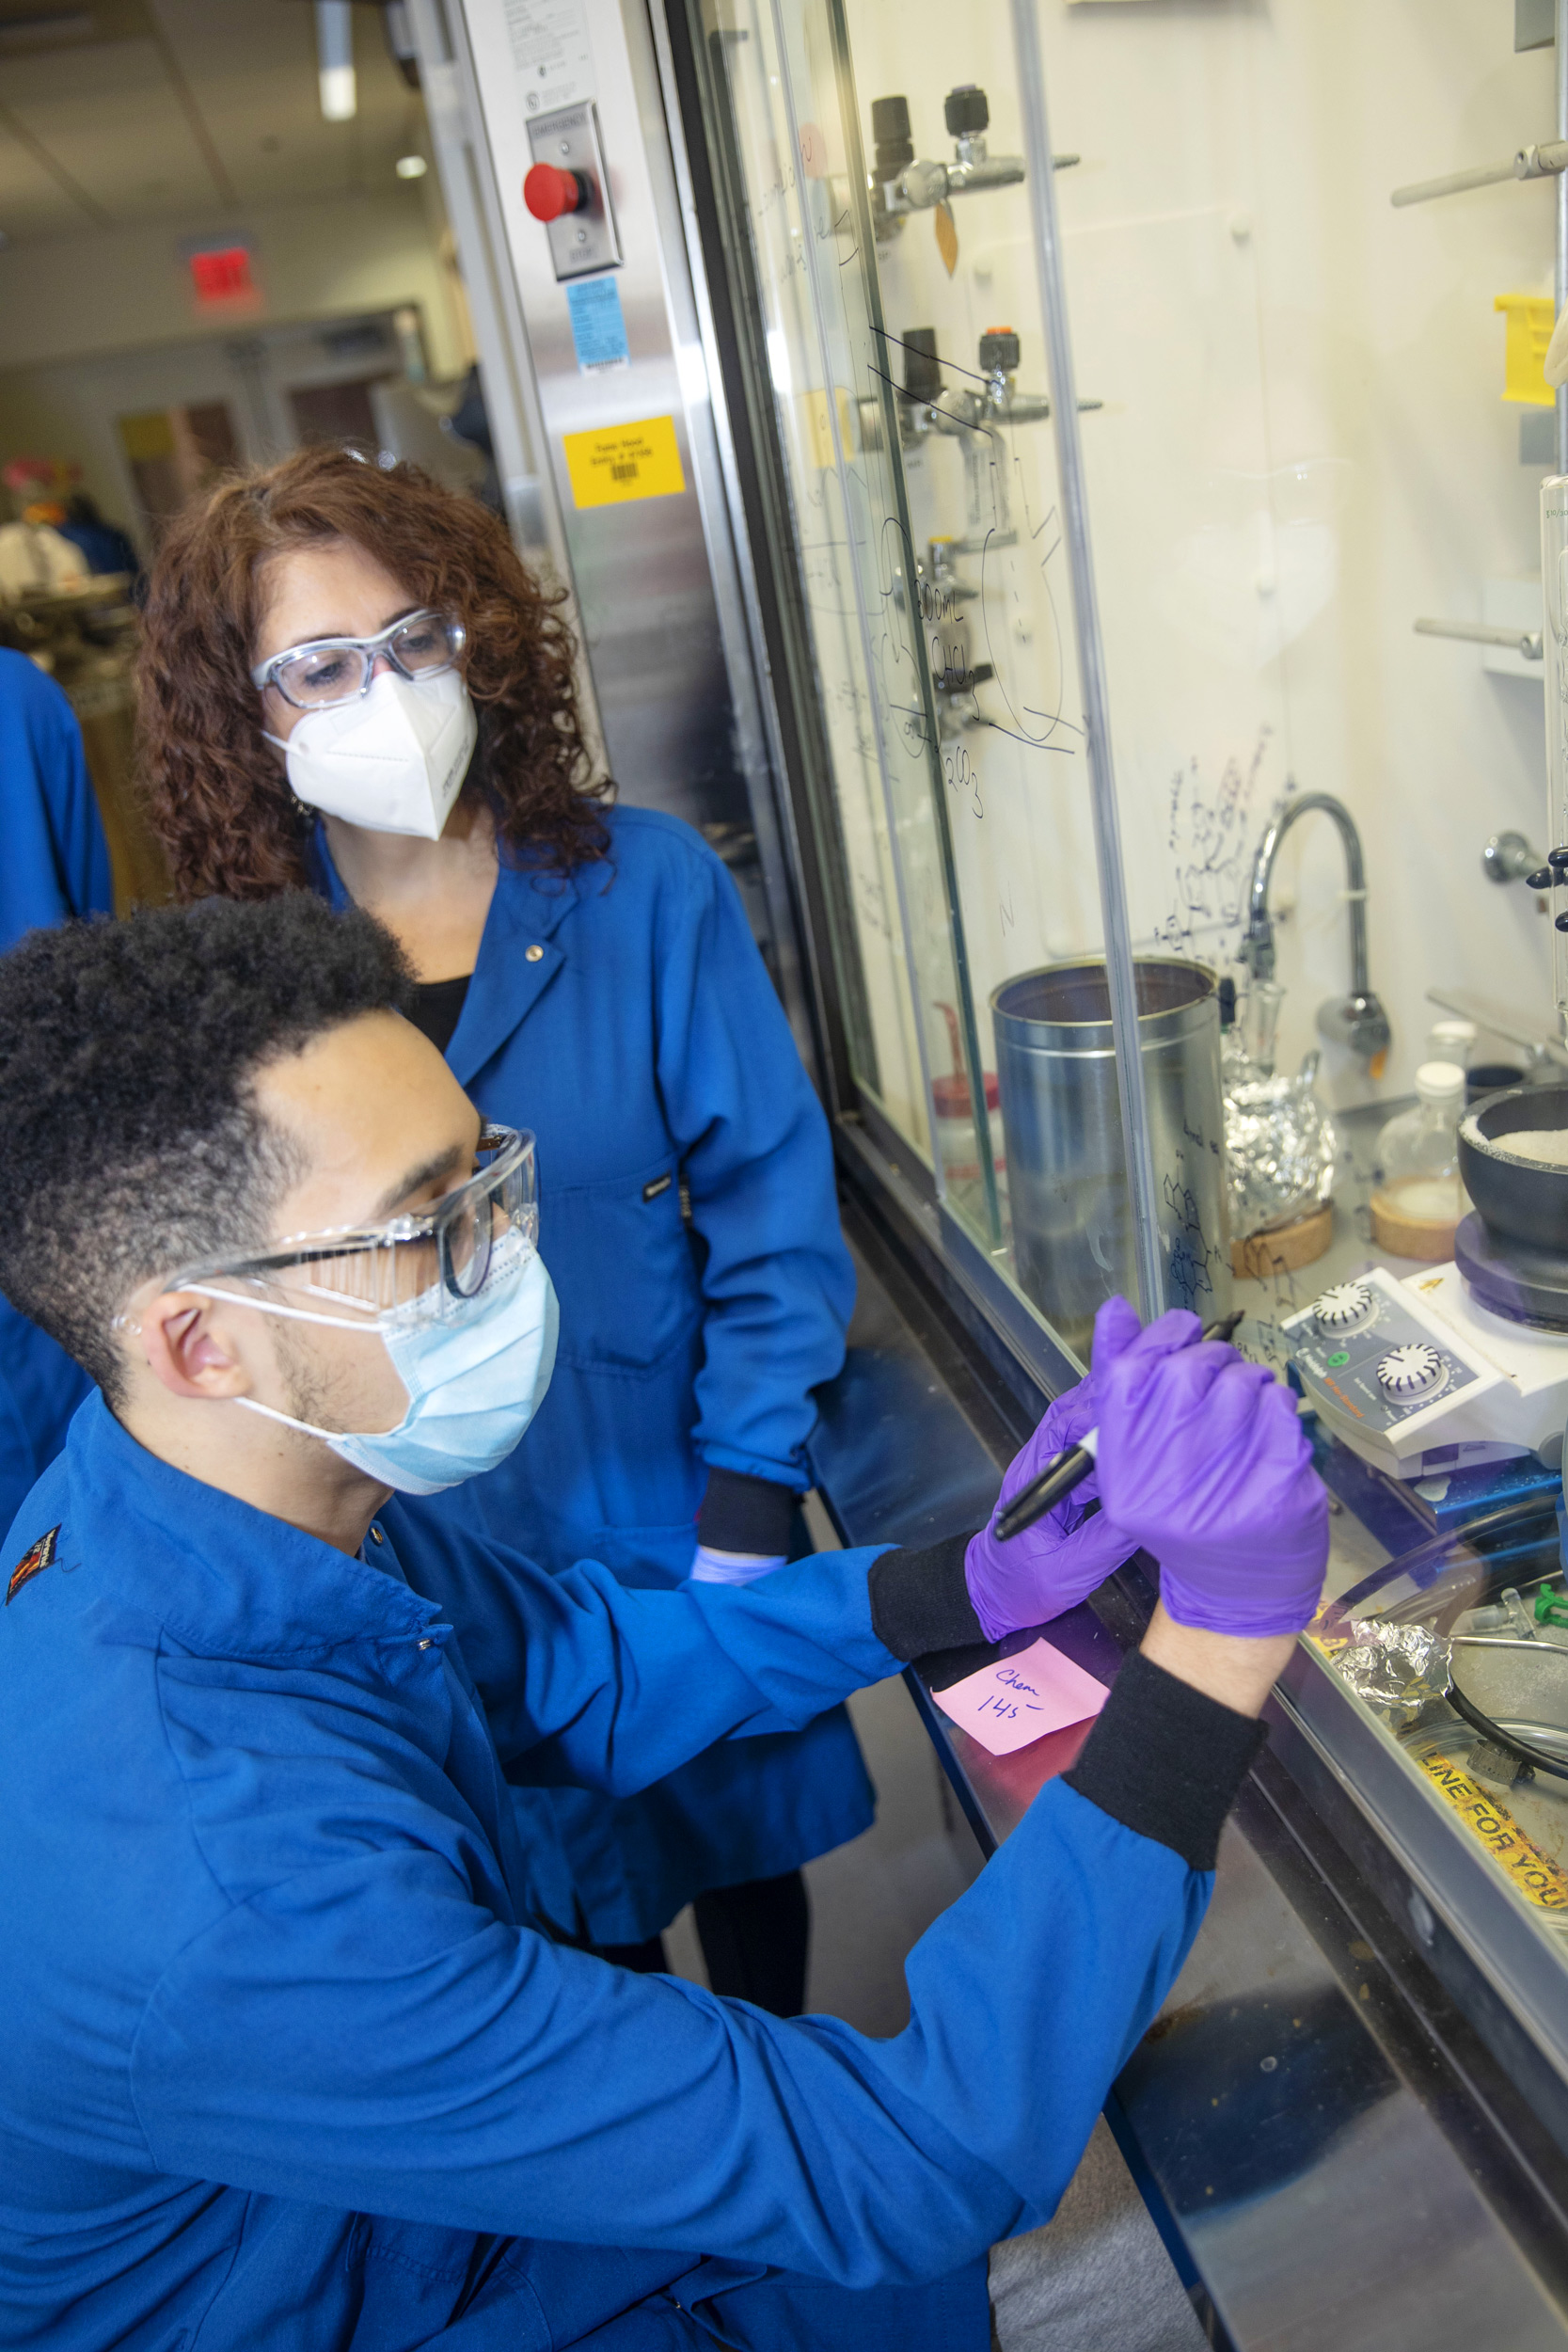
[1525,642]
[1542,162]
[1119,971]
[1453,183]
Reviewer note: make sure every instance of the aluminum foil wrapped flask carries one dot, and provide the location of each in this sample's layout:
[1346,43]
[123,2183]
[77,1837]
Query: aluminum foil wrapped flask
[1280,1145]
[1554,648]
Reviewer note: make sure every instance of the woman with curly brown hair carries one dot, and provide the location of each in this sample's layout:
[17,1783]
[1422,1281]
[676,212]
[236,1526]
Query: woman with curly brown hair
[350,682]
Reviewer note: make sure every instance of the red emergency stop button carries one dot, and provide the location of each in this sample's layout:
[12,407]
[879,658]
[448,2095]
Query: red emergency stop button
[548,191]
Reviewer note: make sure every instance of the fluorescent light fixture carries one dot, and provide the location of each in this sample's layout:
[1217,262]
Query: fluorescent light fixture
[340,93]
[410,167]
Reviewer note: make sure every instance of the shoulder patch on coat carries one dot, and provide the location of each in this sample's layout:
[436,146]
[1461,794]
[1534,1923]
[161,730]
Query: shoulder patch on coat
[33,1562]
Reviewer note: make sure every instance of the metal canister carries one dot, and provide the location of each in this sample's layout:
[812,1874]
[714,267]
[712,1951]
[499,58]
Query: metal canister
[1061,1114]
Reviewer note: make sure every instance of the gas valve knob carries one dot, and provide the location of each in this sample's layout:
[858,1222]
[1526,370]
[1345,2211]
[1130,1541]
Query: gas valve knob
[966,110]
[1343,1307]
[999,351]
[549,193]
[1411,1371]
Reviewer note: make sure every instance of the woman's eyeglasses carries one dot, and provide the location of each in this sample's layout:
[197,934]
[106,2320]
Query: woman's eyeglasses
[336,668]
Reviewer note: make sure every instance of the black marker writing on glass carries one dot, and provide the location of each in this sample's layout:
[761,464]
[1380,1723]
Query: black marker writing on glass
[1069,1467]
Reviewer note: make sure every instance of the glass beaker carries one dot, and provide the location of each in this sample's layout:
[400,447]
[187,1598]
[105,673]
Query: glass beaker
[1260,1011]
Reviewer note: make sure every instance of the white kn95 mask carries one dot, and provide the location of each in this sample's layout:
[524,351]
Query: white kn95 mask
[392,760]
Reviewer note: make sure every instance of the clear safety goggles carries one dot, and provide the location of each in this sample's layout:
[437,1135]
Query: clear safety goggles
[433,1262]
[336,668]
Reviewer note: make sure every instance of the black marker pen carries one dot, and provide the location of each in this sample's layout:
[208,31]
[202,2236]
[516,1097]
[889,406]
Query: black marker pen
[1069,1467]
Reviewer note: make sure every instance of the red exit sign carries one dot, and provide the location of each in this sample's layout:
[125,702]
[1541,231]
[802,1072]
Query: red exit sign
[222,275]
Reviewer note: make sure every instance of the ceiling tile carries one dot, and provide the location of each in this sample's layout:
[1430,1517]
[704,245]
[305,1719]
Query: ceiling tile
[32,202]
[253,70]
[113,119]
[114,123]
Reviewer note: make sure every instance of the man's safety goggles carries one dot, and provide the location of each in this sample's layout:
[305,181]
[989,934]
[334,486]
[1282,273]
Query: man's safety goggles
[436,1261]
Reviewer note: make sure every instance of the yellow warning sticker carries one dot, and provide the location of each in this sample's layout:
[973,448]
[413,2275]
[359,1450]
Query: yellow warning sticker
[816,425]
[1529,330]
[624,461]
[1540,1882]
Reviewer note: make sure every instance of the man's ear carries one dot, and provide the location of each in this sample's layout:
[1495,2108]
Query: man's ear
[185,1350]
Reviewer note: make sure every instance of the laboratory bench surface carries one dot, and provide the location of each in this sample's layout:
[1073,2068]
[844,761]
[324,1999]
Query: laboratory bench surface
[1320,2131]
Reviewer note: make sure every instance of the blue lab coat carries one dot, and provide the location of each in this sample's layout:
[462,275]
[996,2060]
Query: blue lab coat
[627,1018]
[54,864]
[285,2067]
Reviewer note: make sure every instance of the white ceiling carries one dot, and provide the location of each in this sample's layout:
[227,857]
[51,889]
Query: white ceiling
[115,111]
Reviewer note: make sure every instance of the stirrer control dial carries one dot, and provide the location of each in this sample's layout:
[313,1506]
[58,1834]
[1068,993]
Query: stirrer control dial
[1344,1308]
[1411,1371]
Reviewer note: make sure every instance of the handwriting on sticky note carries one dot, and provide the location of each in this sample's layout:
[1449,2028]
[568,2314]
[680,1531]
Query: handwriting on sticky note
[1021,1698]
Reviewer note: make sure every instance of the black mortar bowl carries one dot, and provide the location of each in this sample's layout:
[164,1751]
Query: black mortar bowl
[1516,1200]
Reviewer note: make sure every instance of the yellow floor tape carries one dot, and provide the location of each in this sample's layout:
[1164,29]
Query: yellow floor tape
[1540,1882]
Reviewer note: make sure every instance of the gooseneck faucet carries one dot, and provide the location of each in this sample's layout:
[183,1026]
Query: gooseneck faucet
[1357,1020]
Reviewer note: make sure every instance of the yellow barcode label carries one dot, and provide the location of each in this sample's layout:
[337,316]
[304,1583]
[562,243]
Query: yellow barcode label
[624,461]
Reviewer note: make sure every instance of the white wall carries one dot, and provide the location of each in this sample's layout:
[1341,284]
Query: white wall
[122,288]
[99,327]
[1302,448]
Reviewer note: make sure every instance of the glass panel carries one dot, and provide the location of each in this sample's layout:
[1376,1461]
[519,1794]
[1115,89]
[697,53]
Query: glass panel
[774,80]
[1313,452]
[910,407]
[956,287]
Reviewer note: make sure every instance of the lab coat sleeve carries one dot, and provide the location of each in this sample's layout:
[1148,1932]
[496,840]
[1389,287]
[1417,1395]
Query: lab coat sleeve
[368,2036]
[57,862]
[584,1681]
[757,1162]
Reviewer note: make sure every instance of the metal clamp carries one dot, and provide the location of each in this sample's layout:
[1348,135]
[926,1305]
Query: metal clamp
[1508,857]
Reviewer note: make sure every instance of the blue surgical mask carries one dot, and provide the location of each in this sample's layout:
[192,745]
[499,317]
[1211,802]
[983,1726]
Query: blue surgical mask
[474,1381]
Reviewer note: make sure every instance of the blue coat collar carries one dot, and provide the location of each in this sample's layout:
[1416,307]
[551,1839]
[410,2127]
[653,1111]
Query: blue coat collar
[509,979]
[222,1577]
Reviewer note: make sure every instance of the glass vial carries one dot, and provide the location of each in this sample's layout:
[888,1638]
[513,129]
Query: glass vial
[1419,1199]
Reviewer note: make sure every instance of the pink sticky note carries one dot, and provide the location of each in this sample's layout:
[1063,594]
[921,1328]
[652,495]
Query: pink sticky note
[1021,1698]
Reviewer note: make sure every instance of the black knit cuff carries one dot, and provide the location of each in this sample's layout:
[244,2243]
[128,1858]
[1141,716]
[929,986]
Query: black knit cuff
[1166,1760]
[742,1514]
[920,1601]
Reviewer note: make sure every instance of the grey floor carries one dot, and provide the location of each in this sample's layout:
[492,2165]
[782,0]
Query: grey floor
[871,1900]
[1098,2278]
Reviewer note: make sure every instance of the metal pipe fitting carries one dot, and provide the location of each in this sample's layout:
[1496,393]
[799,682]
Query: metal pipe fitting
[1357,1019]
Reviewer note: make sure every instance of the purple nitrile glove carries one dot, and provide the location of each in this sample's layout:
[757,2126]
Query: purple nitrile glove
[1058,1562]
[1204,1462]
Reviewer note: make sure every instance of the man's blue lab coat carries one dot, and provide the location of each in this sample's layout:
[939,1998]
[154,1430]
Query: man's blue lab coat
[627,1017]
[54,863]
[265,1978]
